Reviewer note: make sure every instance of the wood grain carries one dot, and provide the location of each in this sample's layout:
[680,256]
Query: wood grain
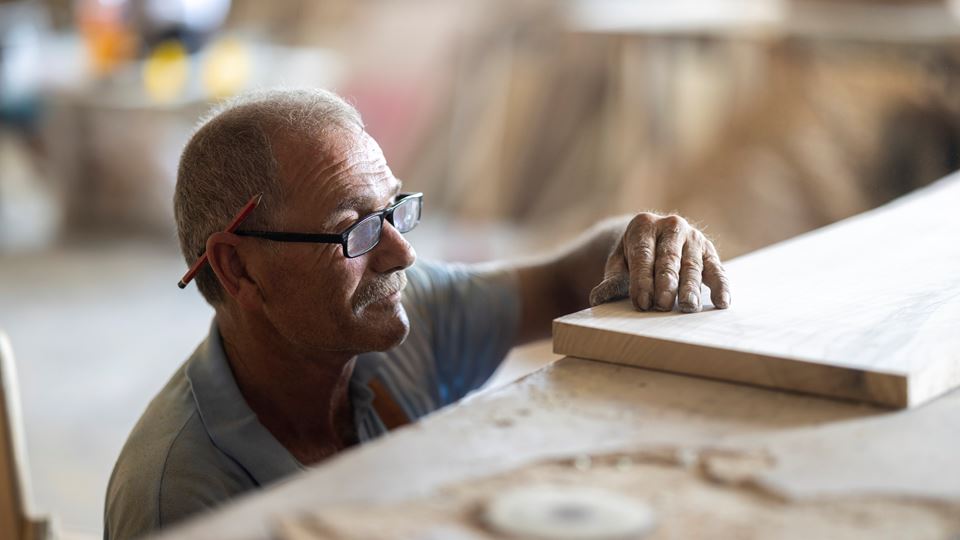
[866,309]
[776,453]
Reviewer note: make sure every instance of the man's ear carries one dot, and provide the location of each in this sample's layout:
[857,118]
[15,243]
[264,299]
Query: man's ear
[232,269]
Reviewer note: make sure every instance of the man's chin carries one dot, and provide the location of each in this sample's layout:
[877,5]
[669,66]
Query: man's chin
[388,332]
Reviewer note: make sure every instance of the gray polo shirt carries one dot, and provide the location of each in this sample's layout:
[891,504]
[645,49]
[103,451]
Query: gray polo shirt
[198,444]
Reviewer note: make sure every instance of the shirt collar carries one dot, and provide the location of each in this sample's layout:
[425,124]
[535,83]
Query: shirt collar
[232,425]
[235,429]
[365,415]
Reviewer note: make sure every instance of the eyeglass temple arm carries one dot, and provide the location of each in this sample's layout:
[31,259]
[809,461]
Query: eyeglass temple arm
[237,220]
[294,237]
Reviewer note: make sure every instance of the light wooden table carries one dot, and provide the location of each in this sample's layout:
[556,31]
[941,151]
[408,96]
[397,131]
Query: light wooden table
[709,457]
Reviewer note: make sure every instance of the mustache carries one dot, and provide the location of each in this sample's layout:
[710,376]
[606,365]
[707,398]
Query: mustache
[379,288]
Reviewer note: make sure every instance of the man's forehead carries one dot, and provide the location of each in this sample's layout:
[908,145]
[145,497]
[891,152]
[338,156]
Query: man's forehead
[338,171]
[360,198]
[338,144]
[355,162]
[327,154]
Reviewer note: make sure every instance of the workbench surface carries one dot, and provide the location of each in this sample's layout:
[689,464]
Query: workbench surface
[709,458]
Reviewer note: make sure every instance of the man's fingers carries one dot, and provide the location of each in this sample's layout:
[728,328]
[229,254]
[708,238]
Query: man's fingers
[673,231]
[616,262]
[691,268]
[714,277]
[615,284]
[668,260]
[639,247]
[612,288]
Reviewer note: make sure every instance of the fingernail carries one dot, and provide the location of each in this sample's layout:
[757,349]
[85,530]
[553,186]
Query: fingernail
[724,300]
[666,301]
[691,300]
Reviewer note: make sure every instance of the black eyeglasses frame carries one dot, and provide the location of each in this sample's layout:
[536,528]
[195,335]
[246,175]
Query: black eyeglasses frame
[341,238]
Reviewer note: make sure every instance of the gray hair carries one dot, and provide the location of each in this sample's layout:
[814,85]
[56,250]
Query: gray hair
[230,158]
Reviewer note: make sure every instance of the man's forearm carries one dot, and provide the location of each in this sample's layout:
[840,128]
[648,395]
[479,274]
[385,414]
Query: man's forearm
[579,265]
[559,282]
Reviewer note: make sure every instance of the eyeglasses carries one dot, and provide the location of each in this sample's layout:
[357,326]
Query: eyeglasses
[363,235]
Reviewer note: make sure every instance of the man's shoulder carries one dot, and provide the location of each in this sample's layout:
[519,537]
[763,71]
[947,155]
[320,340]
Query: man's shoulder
[423,272]
[168,468]
[438,280]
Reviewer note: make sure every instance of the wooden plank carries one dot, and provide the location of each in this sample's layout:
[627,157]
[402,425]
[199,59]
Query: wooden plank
[866,309]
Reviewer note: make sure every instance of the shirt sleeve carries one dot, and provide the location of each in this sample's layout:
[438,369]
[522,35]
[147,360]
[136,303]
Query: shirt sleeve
[153,487]
[473,313]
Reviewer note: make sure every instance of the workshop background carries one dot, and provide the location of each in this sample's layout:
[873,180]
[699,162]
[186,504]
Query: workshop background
[523,122]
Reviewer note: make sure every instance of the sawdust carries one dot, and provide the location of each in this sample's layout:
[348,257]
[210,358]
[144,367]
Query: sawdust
[695,494]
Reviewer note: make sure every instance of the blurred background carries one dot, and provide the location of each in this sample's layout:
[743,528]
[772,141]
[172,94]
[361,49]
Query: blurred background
[522,121]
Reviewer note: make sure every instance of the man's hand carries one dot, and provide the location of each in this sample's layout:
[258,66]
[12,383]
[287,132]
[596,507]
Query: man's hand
[657,260]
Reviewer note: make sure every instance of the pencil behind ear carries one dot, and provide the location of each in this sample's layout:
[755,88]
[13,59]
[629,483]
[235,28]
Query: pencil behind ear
[231,270]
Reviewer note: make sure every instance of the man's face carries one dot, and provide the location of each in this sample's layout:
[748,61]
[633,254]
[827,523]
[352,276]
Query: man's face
[314,296]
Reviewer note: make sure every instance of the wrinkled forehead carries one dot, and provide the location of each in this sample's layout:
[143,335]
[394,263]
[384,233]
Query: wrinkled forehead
[340,169]
[325,148]
[357,147]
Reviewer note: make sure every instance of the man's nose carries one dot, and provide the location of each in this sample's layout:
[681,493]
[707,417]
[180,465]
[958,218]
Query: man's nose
[393,252]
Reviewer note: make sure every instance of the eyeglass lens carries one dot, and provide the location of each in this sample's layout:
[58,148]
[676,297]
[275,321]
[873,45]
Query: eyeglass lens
[406,214]
[366,234]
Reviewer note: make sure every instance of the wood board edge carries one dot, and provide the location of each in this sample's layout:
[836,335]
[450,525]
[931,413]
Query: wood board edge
[885,389]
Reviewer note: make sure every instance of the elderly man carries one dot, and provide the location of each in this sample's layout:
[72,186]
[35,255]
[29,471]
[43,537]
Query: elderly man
[327,331]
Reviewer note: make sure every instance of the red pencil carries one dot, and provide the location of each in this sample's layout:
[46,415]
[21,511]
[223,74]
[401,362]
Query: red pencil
[247,208]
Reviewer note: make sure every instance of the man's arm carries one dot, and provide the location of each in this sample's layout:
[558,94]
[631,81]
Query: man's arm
[652,259]
[559,282]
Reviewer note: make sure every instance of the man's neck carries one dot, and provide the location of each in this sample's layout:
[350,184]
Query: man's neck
[302,398]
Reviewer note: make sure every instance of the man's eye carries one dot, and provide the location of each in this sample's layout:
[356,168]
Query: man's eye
[345,222]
